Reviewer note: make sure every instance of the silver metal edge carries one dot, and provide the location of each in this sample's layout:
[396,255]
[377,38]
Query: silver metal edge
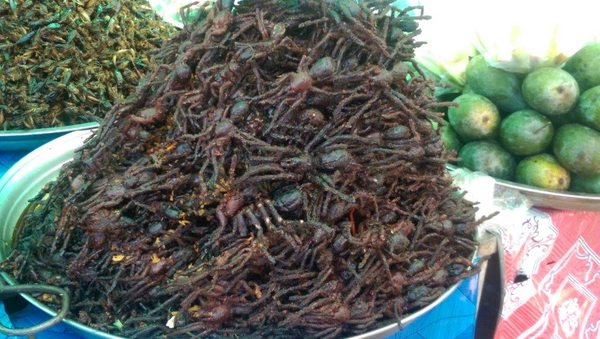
[548,198]
[393,328]
[49,130]
[60,150]
[27,140]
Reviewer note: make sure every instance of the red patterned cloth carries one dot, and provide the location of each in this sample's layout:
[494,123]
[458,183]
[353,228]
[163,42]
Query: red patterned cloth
[559,251]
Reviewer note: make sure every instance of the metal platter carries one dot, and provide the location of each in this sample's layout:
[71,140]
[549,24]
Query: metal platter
[550,199]
[26,140]
[29,175]
[21,183]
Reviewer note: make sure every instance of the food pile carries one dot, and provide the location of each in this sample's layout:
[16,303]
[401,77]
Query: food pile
[540,129]
[278,176]
[68,62]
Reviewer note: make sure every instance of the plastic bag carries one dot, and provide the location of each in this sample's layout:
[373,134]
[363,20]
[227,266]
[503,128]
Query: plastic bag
[517,36]
[512,207]
[169,9]
[449,39]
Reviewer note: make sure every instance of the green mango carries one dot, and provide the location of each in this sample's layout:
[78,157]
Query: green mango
[526,132]
[577,148]
[501,87]
[589,184]
[550,91]
[542,170]
[474,118]
[489,158]
[584,66]
[587,111]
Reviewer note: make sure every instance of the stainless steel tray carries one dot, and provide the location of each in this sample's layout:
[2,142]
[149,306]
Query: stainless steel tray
[26,140]
[29,175]
[550,199]
[21,183]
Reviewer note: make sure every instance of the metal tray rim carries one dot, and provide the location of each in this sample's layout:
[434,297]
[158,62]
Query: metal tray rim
[49,130]
[540,197]
[28,140]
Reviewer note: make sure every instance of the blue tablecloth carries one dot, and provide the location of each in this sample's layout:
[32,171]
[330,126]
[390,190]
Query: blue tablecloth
[7,159]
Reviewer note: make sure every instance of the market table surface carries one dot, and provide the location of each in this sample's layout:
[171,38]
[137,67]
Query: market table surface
[555,259]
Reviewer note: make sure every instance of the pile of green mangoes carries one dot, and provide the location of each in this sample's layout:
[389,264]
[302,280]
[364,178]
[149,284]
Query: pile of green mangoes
[540,129]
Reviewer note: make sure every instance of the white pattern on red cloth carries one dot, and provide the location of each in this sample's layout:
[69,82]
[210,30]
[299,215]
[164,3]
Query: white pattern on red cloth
[560,298]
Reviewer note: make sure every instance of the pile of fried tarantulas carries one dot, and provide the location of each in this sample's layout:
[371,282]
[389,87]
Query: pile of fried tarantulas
[277,176]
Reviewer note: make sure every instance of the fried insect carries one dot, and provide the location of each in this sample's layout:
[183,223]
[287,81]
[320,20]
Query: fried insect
[68,62]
